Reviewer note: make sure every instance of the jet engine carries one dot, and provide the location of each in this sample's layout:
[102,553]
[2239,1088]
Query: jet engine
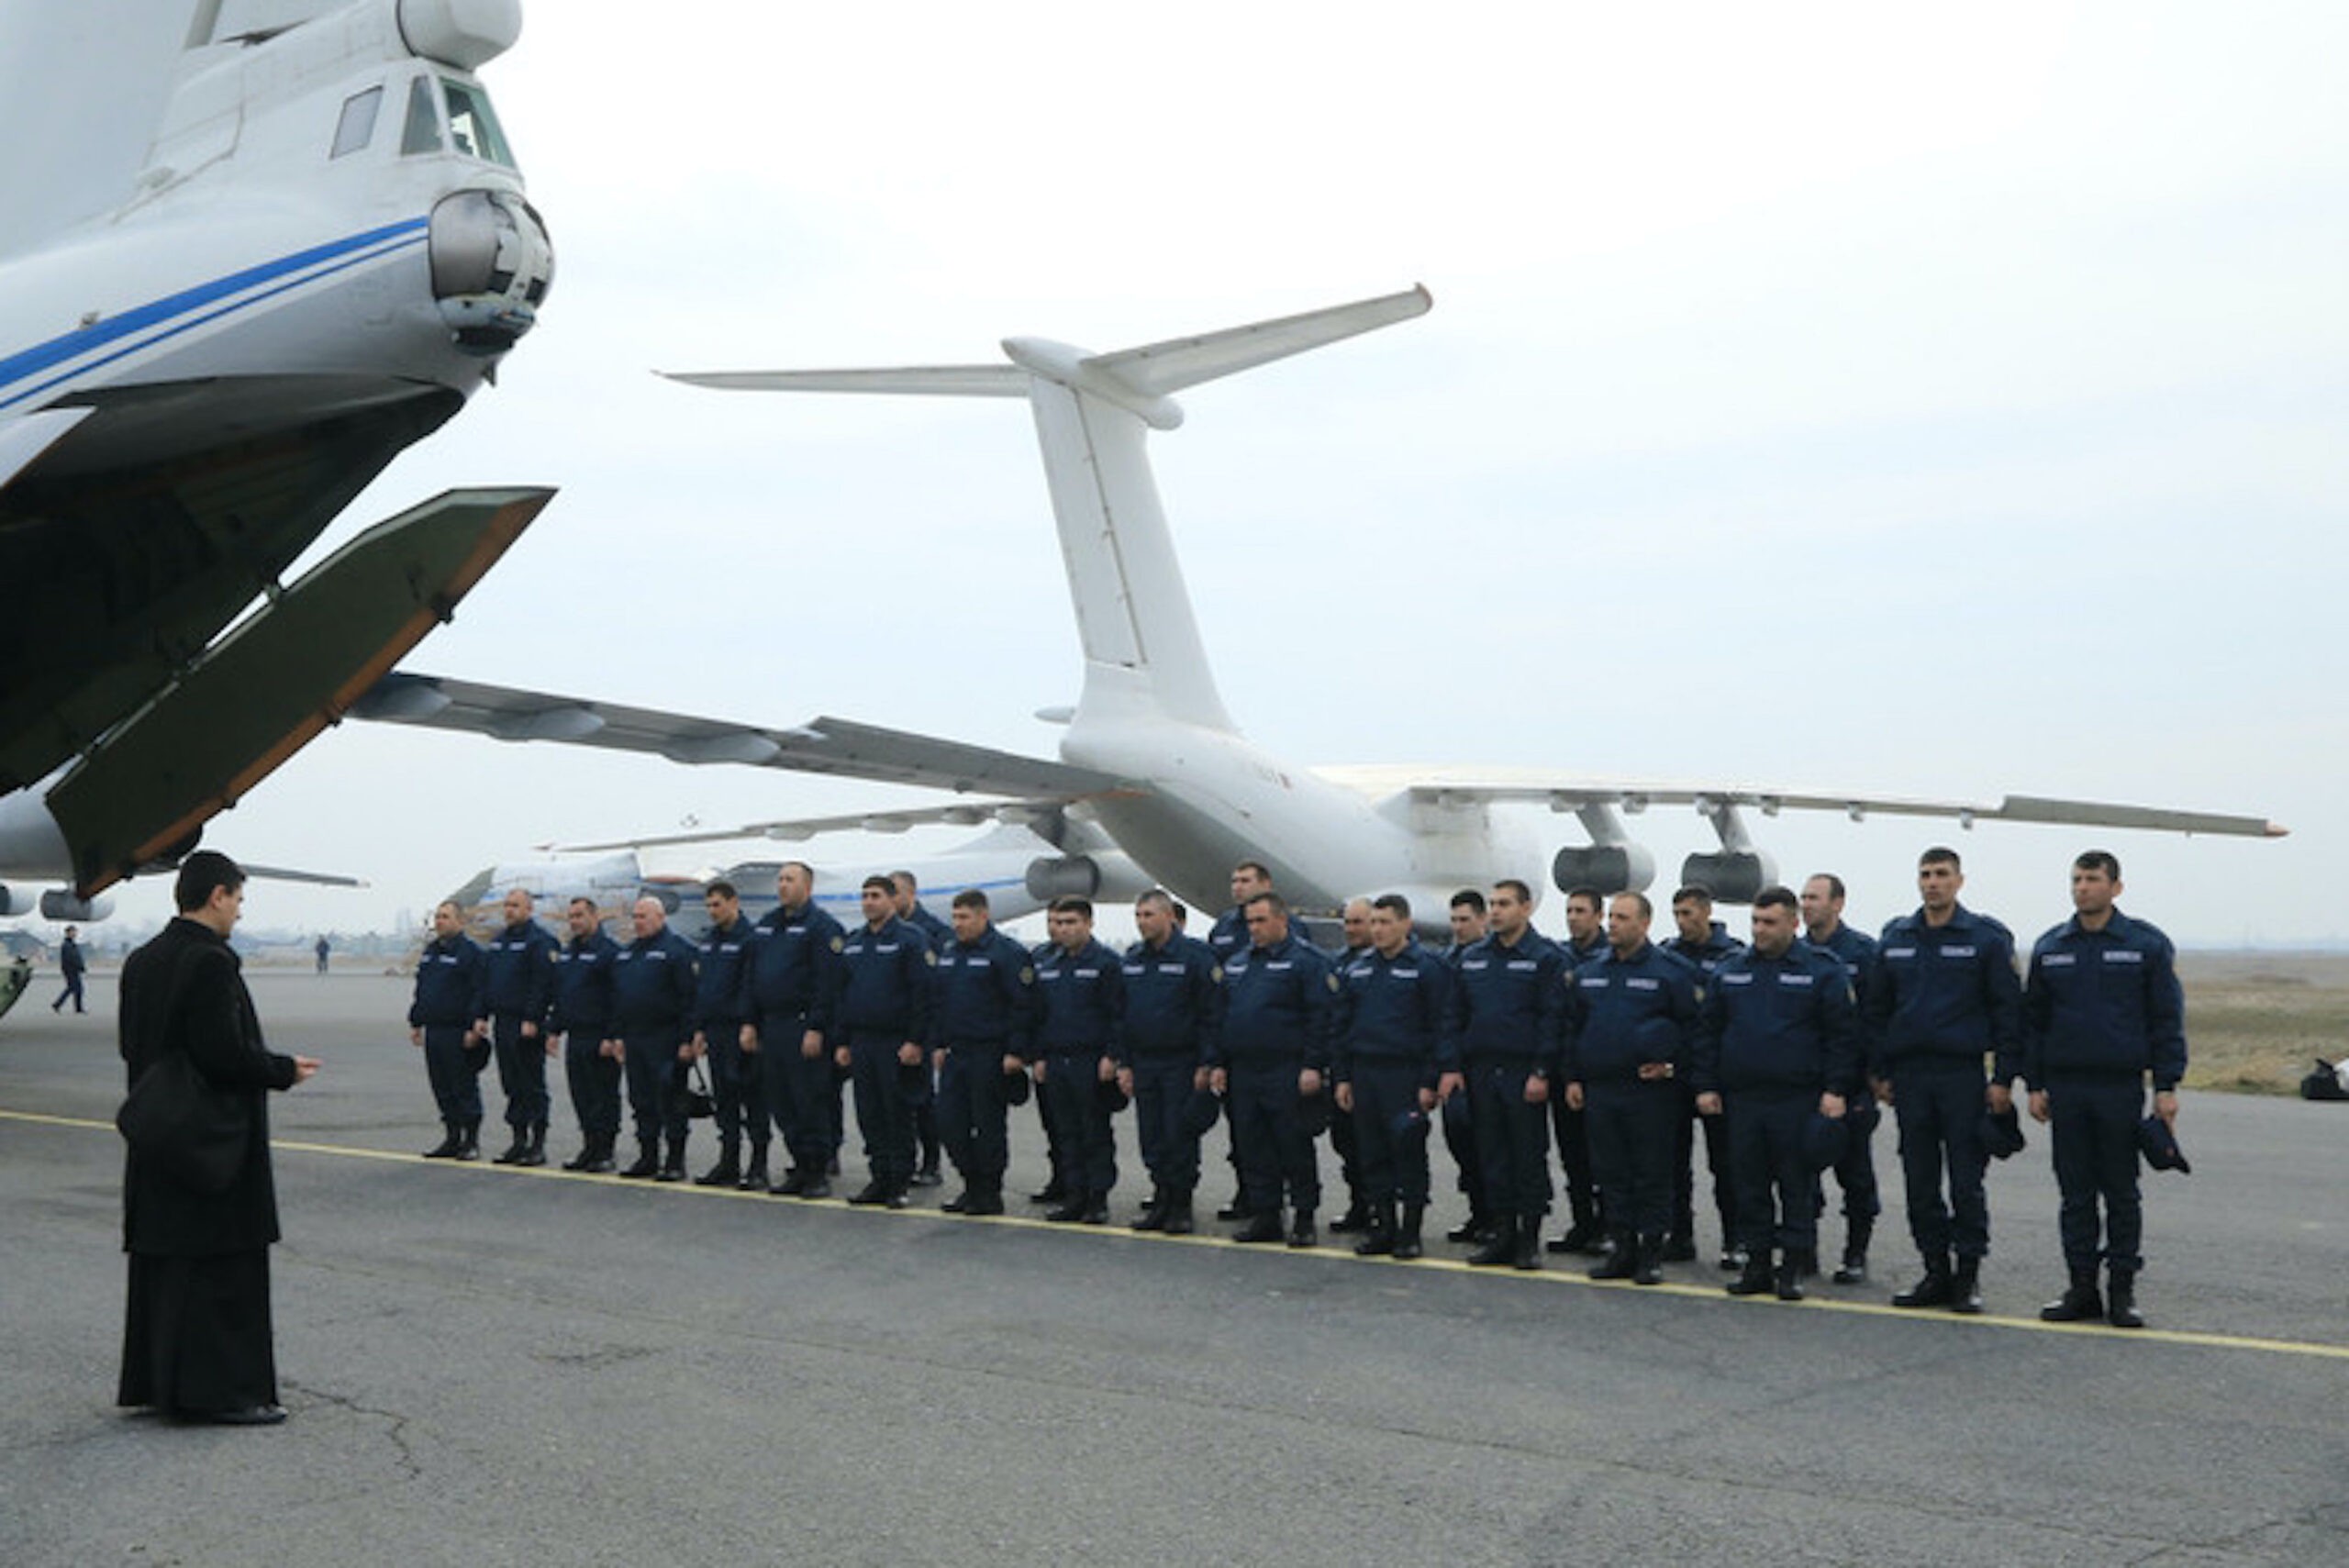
[1733,876]
[1063,876]
[1609,868]
[14,901]
[59,904]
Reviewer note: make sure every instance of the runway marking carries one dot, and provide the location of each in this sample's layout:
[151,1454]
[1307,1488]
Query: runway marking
[1327,1253]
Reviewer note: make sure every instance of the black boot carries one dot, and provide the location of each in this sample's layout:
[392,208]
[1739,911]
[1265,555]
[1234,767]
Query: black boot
[815,1182]
[1300,1231]
[1477,1227]
[1068,1212]
[1752,1279]
[1966,1287]
[1649,1268]
[585,1156]
[1153,1213]
[599,1153]
[1580,1237]
[985,1196]
[1356,1218]
[1854,1270]
[1407,1232]
[2121,1299]
[2080,1303]
[513,1152]
[672,1169]
[1378,1238]
[648,1160]
[754,1174]
[535,1152]
[1499,1246]
[1525,1248]
[1096,1210]
[1055,1191]
[1265,1226]
[1933,1290]
[726,1173]
[1177,1218]
[1788,1279]
[1621,1264]
[452,1139]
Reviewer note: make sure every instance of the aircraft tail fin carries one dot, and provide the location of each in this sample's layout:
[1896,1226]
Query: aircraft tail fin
[1141,643]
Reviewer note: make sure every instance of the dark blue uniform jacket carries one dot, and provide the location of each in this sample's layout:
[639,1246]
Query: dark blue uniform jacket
[583,986]
[652,987]
[882,987]
[1945,995]
[1777,1023]
[518,976]
[1278,1007]
[788,968]
[1858,952]
[1395,1010]
[1080,998]
[1173,1001]
[448,982]
[2104,1003]
[1707,954]
[1509,1002]
[1622,1012]
[984,994]
[721,962]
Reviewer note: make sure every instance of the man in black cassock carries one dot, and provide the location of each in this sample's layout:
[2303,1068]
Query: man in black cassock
[196,1341]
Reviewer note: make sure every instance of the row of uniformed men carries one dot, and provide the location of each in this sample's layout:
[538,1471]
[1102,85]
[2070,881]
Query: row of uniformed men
[1776,1050]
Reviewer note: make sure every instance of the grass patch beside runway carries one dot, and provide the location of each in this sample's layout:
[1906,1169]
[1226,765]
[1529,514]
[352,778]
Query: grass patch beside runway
[2256,1021]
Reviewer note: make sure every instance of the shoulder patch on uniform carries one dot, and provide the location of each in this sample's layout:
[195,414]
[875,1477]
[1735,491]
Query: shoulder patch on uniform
[840,944]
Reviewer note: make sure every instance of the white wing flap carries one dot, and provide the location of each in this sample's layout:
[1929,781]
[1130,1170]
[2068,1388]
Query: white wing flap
[833,746]
[1568,791]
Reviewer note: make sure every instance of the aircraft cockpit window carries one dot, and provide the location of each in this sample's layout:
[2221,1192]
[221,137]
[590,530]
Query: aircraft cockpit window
[357,127]
[423,131]
[473,125]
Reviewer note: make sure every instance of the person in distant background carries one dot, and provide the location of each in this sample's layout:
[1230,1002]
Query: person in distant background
[72,966]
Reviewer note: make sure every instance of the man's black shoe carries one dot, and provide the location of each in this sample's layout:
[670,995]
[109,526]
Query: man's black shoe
[959,1204]
[985,1202]
[246,1416]
[513,1152]
[792,1180]
[1356,1218]
[725,1174]
[1621,1264]
[448,1147]
[648,1163]
[754,1174]
[1055,1191]
[928,1176]
[1231,1211]
[1966,1287]
[1476,1228]
[1068,1213]
[868,1196]
[815,1186]
[1754,1277]
[1579,1238]
[2120,1300]
[1789,1280]
[1301,1232]
[1260,1227]
[1933,1290]
[1096,1213]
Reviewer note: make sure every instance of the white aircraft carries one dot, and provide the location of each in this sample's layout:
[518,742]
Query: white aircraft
[250,251]
[1150,754]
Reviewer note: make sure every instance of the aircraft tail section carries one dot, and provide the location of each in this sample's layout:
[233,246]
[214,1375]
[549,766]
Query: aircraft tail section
[1093,412]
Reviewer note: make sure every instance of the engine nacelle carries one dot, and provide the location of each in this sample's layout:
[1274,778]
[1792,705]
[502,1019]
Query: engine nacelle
[59,905]
[1063,876]
[14,901]
[1610,868]
[1733,876]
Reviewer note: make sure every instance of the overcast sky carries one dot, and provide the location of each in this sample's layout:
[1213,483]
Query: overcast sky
[1907,400]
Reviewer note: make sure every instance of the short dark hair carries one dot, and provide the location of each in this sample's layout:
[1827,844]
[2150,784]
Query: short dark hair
[1775,897]
[1468,898]
[877,883]
[1182,912]
[1394,903]
[806,870]
[1511,884]
[1070,903]
[1647,906]
[905,880]
[200,874]
[1155,898]
[1259,867]
[1939,854]
[2104,861]
[1694,892]
[723,888]
[971,898]
[1591,896]
[579,899]
[1834,884]
[1271,900]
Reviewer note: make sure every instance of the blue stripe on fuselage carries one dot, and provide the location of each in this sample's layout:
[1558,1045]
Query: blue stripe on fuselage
[80,341]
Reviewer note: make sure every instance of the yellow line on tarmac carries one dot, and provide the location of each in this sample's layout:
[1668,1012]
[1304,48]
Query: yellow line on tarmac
[1575,1277]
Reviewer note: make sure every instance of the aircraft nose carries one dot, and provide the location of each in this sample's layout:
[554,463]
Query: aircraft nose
[492,265]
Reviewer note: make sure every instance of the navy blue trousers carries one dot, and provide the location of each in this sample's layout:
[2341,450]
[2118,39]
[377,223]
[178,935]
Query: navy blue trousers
[1161,1094]
[1460,1142]
[974,1117]
[1633,1129]
[521,1070]
[1268,1137]
[594,1080]
[734,1087]
[1683,1168]
[1940,1107]
[656,1086]
[1088,1165]
[1767,1163]
[455,1089]
[2093,1123]
[1572,1131]
[885,1108]
[1394,1166]
[1856,1171]
[798,1088]
[1512,1138]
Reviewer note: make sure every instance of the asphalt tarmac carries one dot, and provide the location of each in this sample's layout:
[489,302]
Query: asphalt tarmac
[526,1367]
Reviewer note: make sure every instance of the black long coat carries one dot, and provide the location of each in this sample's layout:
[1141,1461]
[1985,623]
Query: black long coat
[185,991]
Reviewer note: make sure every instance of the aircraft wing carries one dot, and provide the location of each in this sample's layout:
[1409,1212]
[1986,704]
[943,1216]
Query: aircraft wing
[833,746]
[797,830]
[25,437]
[1566,791]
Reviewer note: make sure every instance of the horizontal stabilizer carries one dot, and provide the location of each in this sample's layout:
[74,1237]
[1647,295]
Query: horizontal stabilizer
[934,381]
[833,746]
[276,680]
[1157,369]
